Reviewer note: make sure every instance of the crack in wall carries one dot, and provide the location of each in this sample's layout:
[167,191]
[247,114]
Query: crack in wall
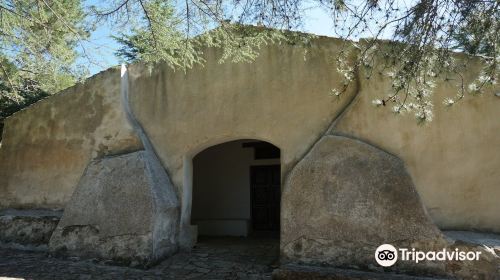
[333,123]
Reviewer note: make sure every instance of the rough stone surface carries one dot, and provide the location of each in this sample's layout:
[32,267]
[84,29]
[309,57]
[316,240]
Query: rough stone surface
[29,229]
[345,198]
[211,259]
[488,240]
[121,210]
[487,267]
[298,272]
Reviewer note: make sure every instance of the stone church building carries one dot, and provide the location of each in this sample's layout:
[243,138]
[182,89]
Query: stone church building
[134,164]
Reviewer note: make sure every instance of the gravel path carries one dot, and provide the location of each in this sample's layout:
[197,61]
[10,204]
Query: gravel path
[214,258]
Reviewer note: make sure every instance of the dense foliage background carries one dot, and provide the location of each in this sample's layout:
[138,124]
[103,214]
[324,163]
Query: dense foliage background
[41,41]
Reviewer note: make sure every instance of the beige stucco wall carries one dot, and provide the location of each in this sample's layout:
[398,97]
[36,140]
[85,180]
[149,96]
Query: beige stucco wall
[282,98]
[46,147]
[454,160]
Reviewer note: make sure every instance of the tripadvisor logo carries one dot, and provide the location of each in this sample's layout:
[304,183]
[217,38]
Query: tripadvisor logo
[387,255]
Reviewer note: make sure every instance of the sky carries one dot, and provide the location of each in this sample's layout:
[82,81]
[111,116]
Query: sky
[99,51]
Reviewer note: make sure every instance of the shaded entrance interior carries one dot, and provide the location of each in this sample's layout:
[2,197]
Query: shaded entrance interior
[237,190]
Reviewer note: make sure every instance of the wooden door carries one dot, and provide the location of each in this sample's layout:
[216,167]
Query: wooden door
[265,197]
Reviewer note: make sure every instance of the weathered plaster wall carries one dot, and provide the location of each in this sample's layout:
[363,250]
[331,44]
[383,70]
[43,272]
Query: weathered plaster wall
[284,99]
[46,147]
[281,98]
[454,161]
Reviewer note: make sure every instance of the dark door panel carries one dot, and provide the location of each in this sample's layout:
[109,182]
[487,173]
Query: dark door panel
[266,195]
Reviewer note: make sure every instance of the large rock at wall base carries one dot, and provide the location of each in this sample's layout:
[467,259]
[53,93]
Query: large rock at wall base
[124,209]
[346,197]
[27,228]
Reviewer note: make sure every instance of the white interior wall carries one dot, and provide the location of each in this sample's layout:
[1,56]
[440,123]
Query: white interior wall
[221,189]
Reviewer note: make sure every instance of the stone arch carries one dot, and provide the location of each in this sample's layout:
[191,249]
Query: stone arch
[187,231]
[227,138]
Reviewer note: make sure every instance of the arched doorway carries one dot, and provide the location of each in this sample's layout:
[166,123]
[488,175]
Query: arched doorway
[237,190]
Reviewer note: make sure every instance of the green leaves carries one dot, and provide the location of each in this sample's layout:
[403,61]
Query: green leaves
[41,40]
[159,38]
[37,42]
[178,40]
[425,37]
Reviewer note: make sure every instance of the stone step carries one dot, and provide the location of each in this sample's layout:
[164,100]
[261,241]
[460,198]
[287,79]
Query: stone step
[28,229]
